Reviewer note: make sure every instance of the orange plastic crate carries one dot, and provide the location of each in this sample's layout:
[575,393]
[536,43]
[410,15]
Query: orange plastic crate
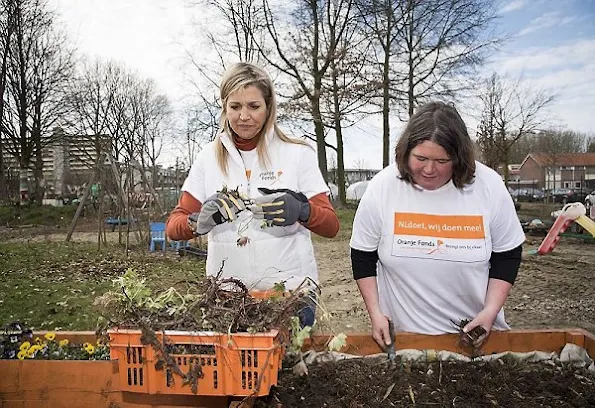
[267,294]
[239,364]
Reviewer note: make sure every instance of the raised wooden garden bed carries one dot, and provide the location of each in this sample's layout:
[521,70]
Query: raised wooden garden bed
[38,383]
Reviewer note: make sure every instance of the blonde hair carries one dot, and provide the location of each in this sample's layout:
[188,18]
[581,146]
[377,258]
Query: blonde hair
[237,77]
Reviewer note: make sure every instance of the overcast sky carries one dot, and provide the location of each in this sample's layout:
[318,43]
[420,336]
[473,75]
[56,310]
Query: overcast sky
[552,45]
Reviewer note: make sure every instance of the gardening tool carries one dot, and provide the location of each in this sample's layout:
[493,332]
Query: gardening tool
[390,349]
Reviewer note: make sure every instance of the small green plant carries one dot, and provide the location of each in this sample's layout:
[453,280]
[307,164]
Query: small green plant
[299,334]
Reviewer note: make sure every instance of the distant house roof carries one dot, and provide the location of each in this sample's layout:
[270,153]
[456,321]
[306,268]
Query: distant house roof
[512,169]
[568,159]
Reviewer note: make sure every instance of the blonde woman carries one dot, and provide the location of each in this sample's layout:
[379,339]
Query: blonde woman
[251,154]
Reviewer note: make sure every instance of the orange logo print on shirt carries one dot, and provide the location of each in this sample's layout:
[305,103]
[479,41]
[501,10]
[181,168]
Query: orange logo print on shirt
[440,226]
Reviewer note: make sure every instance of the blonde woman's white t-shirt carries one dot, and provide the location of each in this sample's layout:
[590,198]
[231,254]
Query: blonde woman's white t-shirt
[434,246]
[273,254]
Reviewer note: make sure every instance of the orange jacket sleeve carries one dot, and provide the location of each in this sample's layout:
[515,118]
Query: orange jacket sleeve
[323,219]
[177,223]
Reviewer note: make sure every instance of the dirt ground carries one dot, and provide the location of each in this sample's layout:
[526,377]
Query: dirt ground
[554,290]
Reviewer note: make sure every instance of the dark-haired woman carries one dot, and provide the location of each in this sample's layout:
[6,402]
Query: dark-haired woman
[436,238]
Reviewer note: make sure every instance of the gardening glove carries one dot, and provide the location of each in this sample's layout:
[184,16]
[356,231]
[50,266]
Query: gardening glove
[281,207]
[216,209]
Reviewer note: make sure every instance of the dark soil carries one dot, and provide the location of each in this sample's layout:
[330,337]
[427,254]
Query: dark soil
[373,382]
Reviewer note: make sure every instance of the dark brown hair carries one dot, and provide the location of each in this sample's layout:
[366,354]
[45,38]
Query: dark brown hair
[440,123]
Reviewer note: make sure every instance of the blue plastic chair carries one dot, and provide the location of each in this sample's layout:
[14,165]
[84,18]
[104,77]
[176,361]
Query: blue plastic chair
[177,245]
[157,236]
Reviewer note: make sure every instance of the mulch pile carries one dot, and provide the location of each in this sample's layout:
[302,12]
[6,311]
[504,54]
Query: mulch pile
[374,382]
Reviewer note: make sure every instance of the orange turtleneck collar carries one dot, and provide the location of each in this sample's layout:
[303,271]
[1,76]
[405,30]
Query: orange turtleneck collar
[245,145]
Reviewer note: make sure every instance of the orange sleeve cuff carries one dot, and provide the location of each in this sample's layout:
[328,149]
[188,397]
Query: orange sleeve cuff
[323,219]
[177,227]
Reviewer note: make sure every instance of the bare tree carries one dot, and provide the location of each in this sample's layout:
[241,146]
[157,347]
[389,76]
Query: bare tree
[120,115]
[591,144]
[154,111]
[244,23]
[34,76]
[570,141]
[443,43]
[360,164]
[511,109]
[487,147]
[53,67]
[195,131]
[304,45]
[425,49]
[7,28]
[383,20]
[347,97]
[91,99]
[239,20]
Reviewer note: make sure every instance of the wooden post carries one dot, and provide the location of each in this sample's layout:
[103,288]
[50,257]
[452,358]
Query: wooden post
[123,200]
[81,206]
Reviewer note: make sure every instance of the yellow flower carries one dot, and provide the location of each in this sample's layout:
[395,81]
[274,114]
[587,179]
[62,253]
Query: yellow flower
[25,346]
[22,354]
[90,349]
[63,343]
[38,340]
[50,336]
[99,343]
[31,351]
[86,344]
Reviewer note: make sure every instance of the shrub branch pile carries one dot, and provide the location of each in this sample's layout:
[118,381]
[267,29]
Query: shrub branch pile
[216,304]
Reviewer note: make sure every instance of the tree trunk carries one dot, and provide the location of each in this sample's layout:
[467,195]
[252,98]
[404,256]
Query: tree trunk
[4,195]
[411,73]
[339,133]
[319,129]
[150,186]
[386,94]
[4,190]
[24,185]
[39,191]
[505,159]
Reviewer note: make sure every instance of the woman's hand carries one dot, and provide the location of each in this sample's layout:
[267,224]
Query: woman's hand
[479,328]
[281,207]
[216,209]
[380,330]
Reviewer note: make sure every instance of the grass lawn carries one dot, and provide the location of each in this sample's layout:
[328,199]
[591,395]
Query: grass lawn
[36,215]
[52,286]
[537,210]
[345,216]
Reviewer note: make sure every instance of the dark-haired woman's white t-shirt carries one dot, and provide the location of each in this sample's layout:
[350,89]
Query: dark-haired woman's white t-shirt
[434,246]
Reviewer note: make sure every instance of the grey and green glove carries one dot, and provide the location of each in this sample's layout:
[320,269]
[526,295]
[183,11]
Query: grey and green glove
[281,207]
[216,209]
